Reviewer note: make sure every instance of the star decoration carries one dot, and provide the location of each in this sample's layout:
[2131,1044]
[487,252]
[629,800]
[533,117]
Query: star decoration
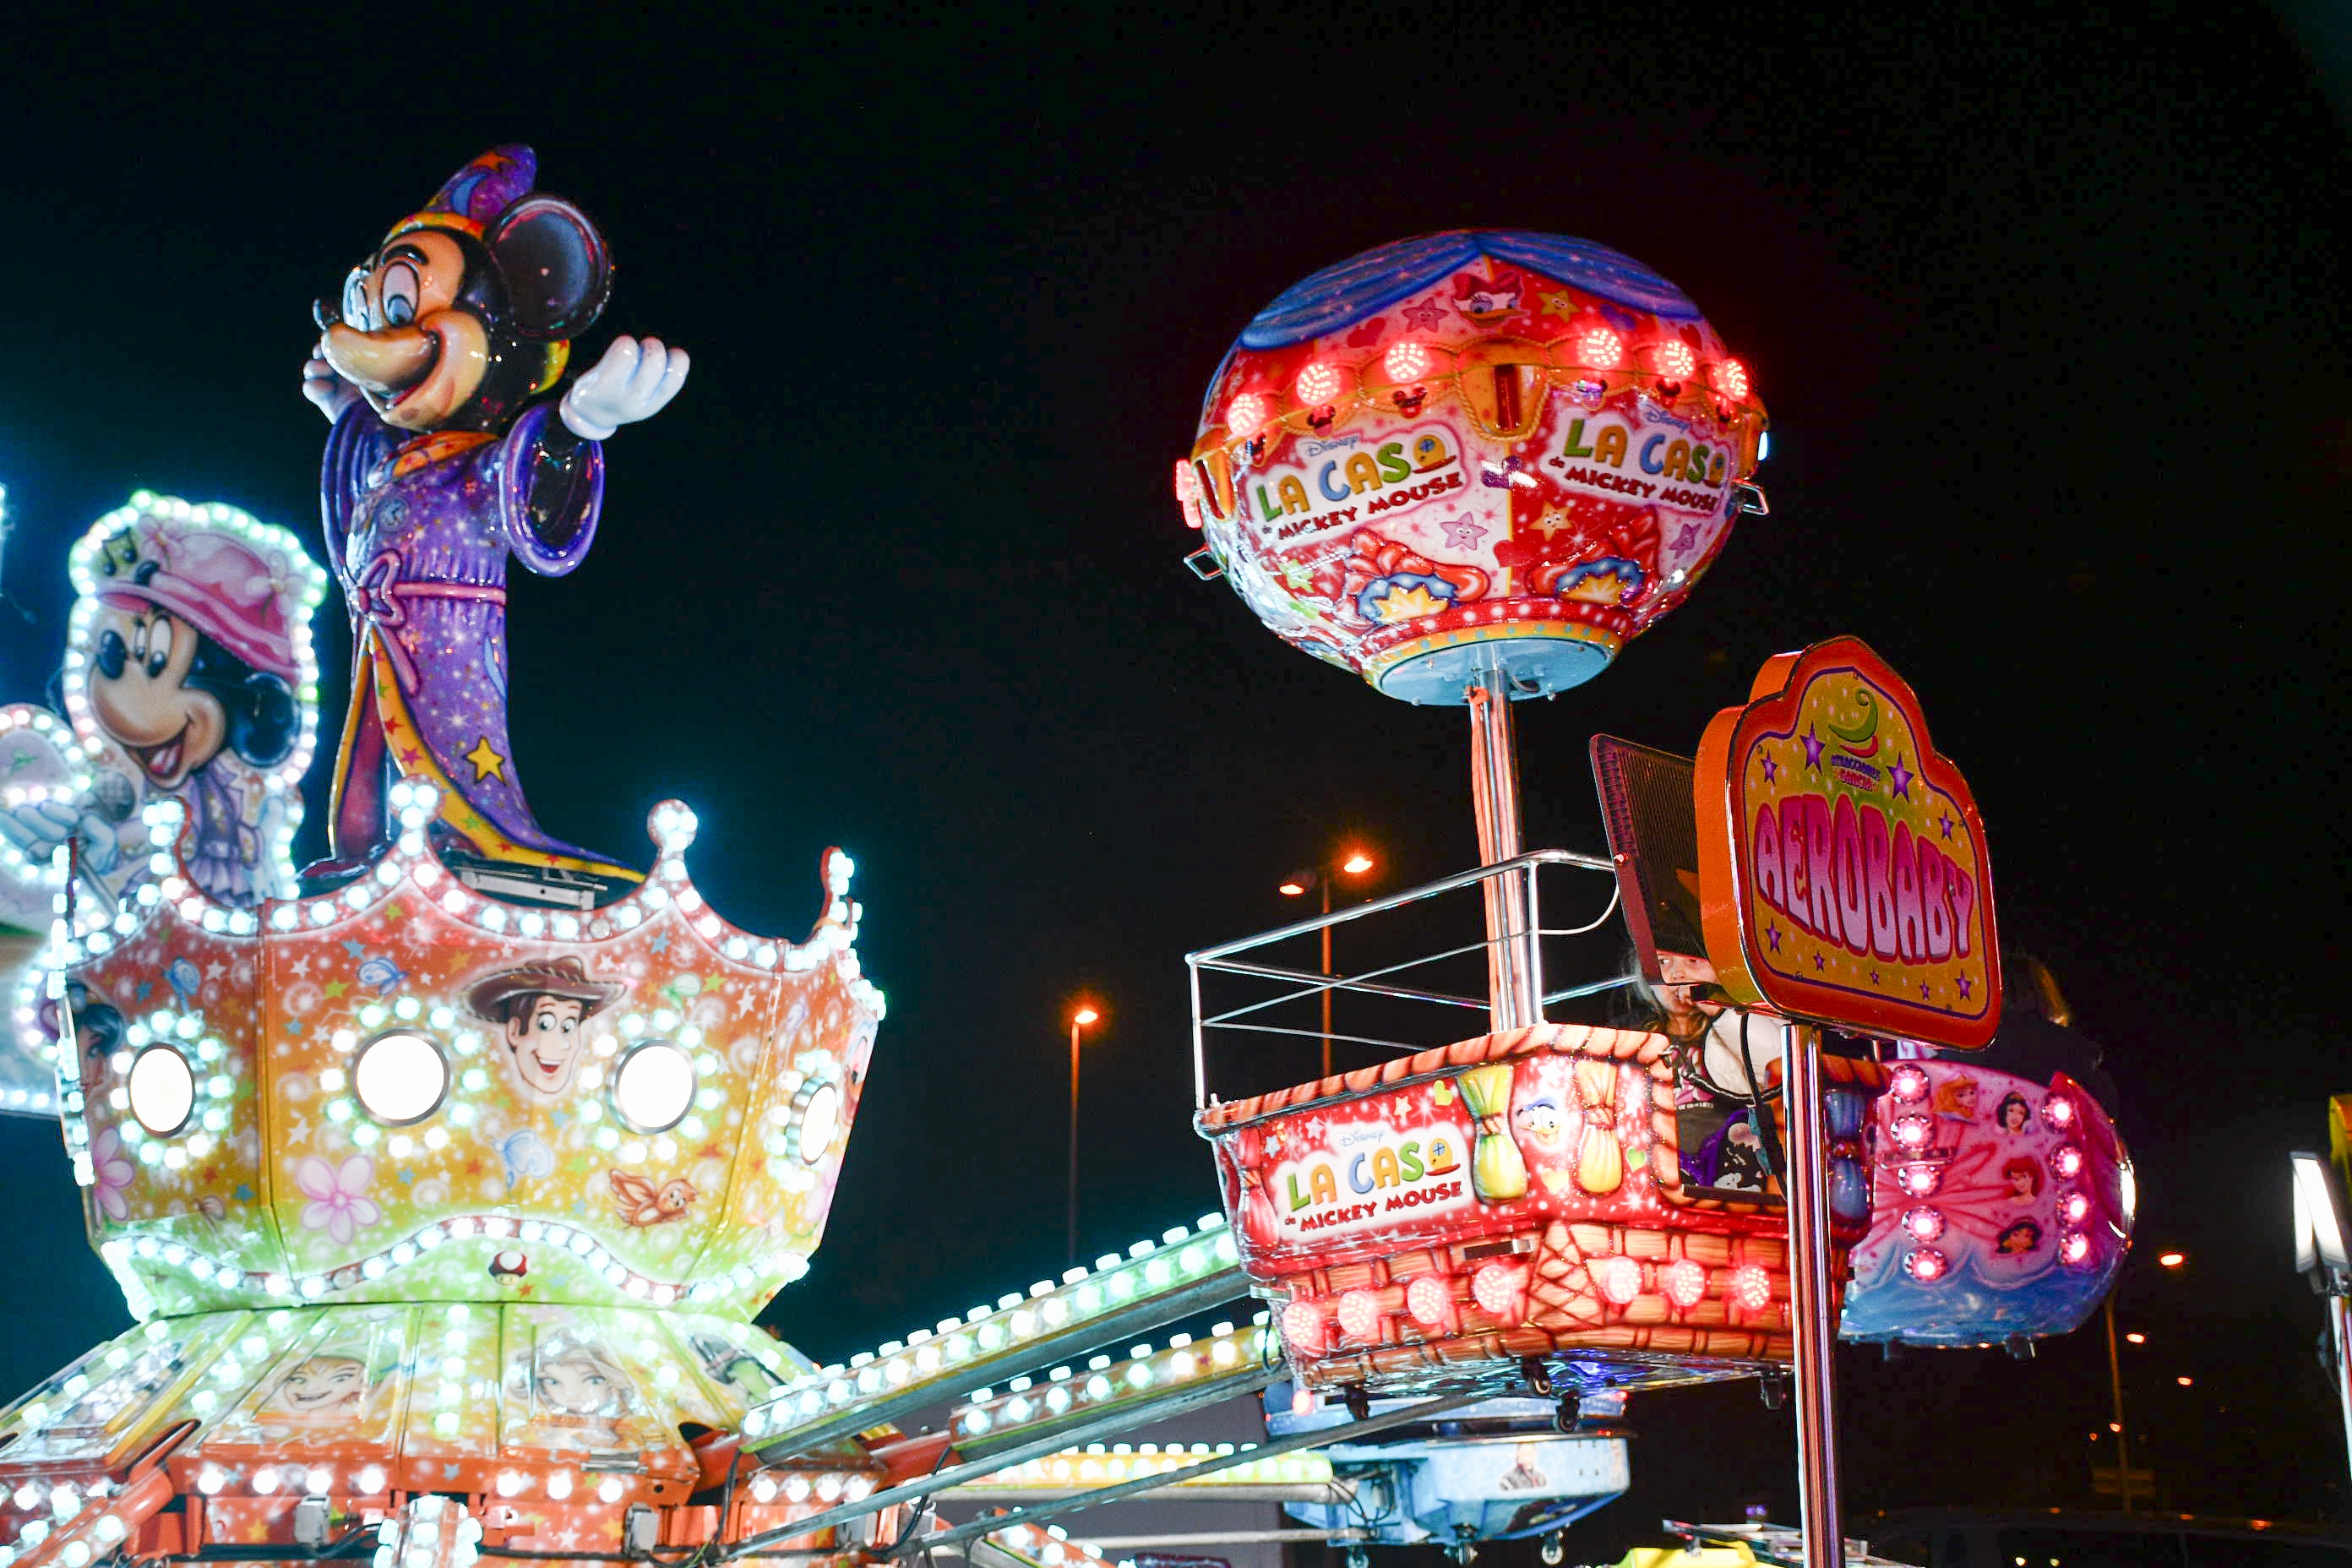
[1771,769]
[1405,604]
[1559,304]
[1899,779]
[1819,963]
[486,762]
[1772,935]
[1462,533]
[1429,313]
[353,946]
[1688,538]
[1812,747]
[336,988]
[1925,991]
[1966,987]
[1294,575]
[1947,824]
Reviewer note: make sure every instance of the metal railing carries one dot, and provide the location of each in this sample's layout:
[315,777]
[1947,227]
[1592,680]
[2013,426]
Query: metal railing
[1382,982]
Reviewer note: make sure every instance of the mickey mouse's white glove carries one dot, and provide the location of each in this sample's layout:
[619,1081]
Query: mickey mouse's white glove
[323,386]
[632,382]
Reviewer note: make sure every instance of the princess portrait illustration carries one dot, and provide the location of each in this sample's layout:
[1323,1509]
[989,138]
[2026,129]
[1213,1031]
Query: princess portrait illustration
[578,1394]
[324,1389]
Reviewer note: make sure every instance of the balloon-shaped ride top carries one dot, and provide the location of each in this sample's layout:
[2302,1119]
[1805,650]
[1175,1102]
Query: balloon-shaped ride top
[1481,449]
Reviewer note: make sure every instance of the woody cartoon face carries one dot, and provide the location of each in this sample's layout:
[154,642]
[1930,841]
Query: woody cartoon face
[543,1041]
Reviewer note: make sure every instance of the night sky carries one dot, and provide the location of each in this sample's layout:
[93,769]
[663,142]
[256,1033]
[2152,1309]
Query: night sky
[2049,314]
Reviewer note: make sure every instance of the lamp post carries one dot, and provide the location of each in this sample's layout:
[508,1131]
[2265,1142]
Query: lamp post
[1078,1020]
[1353,863]
[2167,1260]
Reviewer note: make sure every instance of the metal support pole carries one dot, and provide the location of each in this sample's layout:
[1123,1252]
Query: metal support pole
[1807,1186]
[2115,1384]
[1513,977]
[1073,1142]
[1325,878]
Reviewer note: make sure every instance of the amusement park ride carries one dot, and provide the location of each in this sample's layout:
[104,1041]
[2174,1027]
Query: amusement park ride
[446,1175]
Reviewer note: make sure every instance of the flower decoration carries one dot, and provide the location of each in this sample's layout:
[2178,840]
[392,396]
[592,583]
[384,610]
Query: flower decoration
[111,1172]
[339,1202]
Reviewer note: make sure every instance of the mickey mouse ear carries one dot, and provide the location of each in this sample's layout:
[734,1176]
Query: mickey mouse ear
[557,270]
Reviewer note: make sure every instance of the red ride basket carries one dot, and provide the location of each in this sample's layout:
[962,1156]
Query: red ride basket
[1440,1221]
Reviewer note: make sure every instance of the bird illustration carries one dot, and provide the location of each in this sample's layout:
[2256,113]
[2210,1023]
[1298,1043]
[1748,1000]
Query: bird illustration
[643,1204]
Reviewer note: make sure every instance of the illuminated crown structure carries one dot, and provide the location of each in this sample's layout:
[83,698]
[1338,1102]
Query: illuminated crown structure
[419,1191]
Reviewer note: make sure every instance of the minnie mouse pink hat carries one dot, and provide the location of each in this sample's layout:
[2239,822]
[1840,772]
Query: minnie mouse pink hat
[220,586]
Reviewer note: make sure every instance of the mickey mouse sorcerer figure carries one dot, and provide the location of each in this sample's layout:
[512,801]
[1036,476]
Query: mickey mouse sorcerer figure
[440,466]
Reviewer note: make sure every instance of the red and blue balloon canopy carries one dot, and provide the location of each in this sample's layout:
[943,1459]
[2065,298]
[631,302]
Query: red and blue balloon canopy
[1476,450]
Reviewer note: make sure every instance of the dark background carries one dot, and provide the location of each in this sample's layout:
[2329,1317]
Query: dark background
[2048,307]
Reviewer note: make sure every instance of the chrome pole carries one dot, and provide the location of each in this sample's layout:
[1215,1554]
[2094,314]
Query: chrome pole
[1514,987]
[1811,1304]
[2339,1318]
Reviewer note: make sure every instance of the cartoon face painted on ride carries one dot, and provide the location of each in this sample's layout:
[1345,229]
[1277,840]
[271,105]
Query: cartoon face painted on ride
[1998,1206]
[188,679]
[1484,449]
[541,1008]
[319,1388]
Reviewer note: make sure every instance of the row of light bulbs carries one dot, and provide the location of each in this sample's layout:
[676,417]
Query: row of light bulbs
[1104,1383]
[1182,1257]
[1121,1461]
[1499,1289]
[782,1268]
[413,802]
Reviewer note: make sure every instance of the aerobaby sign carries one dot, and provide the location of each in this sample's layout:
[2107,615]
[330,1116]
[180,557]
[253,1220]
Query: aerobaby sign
[1842,870]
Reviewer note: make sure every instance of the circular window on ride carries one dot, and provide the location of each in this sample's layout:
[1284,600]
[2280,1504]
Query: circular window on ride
[162,1090]
[820,1122]
[654,1086]
[401,1077]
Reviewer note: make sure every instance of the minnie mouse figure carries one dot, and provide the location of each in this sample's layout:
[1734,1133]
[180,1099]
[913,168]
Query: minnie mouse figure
[187,677]
[193,664]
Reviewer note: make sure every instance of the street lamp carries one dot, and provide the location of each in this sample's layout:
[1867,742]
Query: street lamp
[2167,1260]
[1085,1016]
[1348,863]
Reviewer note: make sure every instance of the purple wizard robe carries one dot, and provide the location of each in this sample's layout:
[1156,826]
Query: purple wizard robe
[419,529]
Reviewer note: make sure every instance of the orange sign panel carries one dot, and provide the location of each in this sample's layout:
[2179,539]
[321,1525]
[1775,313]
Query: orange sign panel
[1842,871]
